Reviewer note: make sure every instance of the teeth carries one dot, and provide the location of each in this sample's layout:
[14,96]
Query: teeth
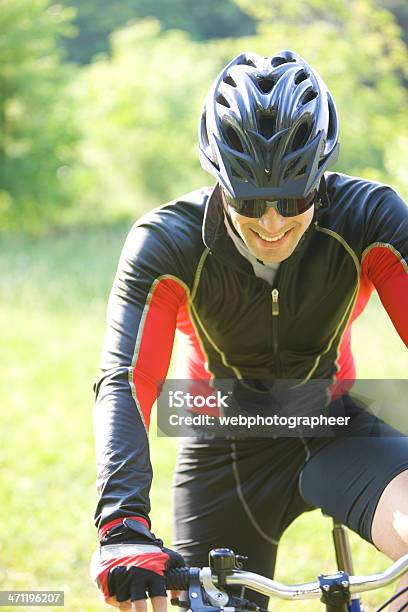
[268,239]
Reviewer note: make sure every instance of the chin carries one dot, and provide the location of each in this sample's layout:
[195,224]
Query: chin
[272,257]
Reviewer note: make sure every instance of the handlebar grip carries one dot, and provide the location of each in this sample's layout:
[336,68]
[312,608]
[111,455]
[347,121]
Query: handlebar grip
[178,579]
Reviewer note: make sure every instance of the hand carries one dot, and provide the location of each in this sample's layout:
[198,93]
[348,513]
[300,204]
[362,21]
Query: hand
[131,562]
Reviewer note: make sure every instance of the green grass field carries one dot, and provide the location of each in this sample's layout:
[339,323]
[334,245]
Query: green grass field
[53,297]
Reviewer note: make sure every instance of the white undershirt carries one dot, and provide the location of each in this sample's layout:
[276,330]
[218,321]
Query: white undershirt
[267,271]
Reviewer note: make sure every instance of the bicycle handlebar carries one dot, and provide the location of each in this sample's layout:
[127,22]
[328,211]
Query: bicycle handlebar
[179,580]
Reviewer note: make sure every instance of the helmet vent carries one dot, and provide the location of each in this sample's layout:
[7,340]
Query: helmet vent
[300,137]
[278,61]
[290,167]
[229,81]
[267,125]
[301,76]
[233,139]
[332,127]
[247,170]
[308,96]
[265,85]
[248,62]
[223,101]
[204,134]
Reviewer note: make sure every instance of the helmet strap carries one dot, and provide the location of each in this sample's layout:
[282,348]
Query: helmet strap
[322,200]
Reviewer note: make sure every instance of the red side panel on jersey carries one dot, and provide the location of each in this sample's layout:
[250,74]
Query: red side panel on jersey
[345,361]
[383,270]
[195,366]
[156,342]
[389,274]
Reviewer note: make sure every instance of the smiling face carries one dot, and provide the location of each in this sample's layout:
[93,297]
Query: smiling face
[272,238]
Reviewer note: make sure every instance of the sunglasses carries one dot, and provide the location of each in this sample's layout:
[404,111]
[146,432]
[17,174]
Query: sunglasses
[256,208]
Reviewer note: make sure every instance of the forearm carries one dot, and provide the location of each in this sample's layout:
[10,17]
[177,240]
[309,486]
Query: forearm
[124,471]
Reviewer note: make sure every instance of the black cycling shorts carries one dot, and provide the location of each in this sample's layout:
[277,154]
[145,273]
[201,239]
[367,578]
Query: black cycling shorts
[243,494]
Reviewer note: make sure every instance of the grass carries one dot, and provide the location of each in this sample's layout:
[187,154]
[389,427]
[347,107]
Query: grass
[53,299]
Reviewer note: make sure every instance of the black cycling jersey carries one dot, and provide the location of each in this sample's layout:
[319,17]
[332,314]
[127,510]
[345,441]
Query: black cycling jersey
[179,268]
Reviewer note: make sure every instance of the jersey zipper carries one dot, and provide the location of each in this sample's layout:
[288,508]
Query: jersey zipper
[275,319]
[276,312]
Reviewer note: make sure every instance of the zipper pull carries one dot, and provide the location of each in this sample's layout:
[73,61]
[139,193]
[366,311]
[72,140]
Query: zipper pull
[275,302]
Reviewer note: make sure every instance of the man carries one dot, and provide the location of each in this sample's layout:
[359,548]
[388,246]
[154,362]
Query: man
[264,275]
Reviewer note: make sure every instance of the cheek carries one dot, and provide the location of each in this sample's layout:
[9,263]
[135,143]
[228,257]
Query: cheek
[306,219]
[240,224]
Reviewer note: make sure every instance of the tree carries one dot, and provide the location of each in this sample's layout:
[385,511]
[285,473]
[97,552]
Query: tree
[37,132]
[140,112]
[399,8]
[96,19]
[204,20]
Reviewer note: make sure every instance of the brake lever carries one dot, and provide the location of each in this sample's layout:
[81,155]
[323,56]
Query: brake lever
[195,602]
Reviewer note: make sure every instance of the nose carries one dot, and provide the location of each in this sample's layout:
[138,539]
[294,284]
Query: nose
[272,221]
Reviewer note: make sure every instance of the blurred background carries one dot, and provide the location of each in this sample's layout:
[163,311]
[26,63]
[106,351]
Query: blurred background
[99,104]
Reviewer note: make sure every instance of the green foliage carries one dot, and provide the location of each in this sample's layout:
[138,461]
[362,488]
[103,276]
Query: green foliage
[203,20]
[140,111]
[399,8]
[357,49]
[96,20]
[37,132]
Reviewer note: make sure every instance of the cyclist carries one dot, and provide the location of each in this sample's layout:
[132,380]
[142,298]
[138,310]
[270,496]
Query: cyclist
[263,275]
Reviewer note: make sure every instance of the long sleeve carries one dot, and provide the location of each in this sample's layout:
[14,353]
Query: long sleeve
[385,258]
[141,322]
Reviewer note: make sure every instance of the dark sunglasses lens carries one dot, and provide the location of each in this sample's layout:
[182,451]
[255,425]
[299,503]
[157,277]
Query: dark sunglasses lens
[252,208]
[287,208]
[296,206]
[247,208]
[256,208]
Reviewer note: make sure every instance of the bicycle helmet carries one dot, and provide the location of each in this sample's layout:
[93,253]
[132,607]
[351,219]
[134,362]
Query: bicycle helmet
[269,127]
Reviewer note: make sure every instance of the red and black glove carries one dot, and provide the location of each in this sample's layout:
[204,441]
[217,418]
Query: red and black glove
[131,561]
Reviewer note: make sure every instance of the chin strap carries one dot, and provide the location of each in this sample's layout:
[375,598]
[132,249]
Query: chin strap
[322,200]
